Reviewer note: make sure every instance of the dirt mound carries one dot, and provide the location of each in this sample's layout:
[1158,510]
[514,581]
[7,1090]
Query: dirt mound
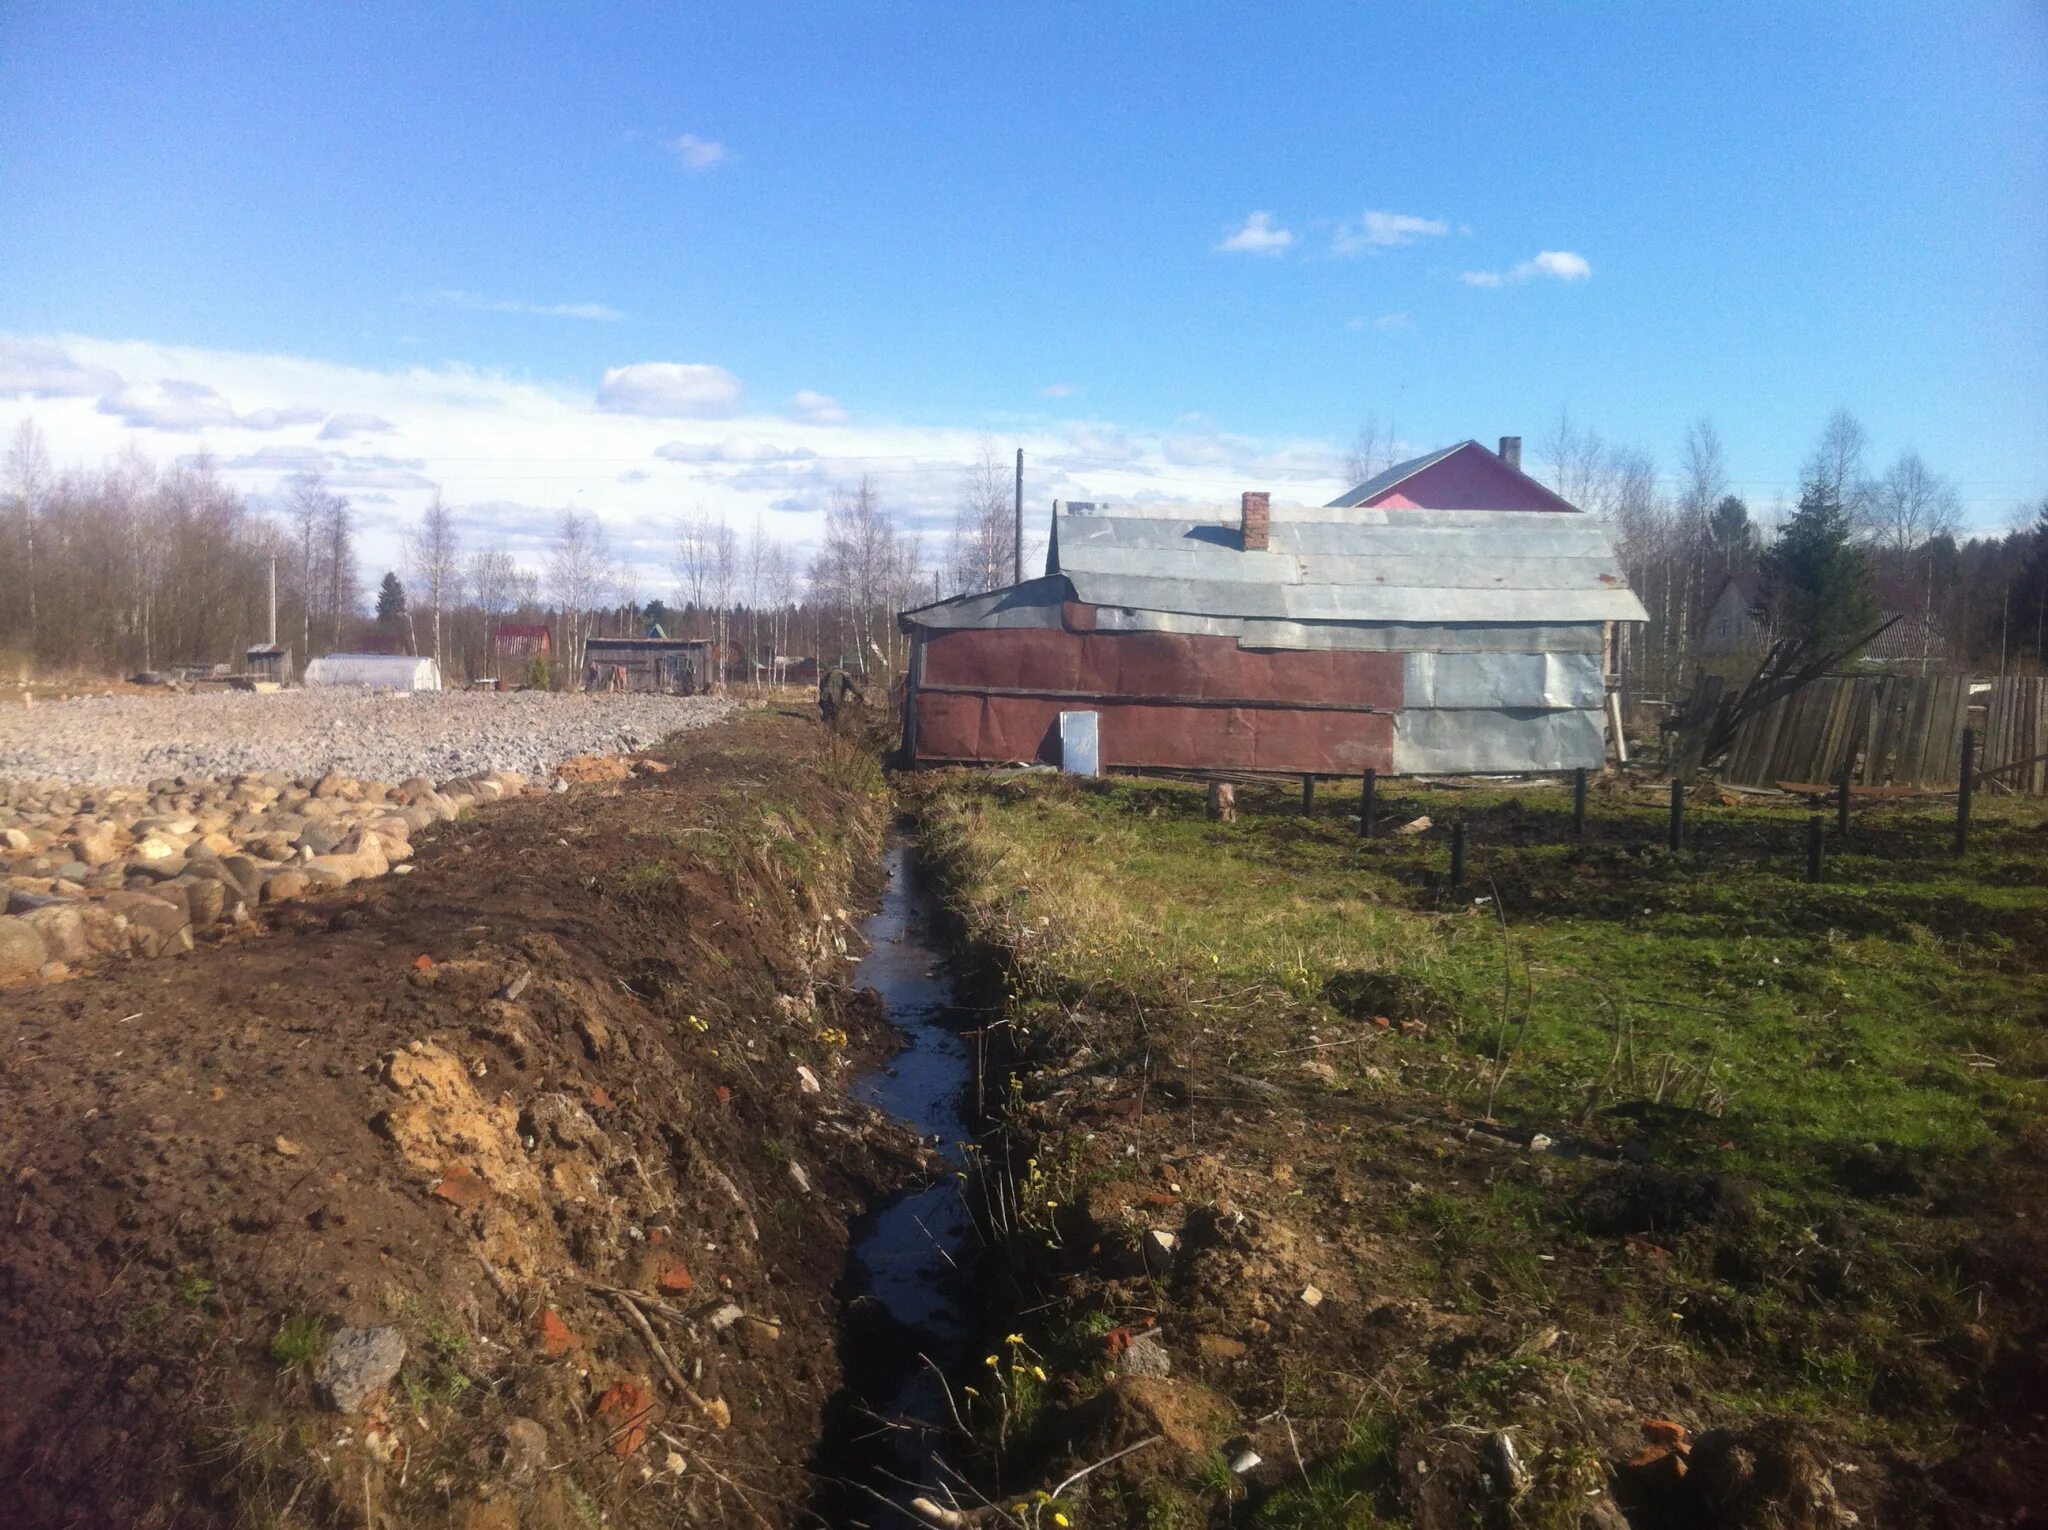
[513,1156]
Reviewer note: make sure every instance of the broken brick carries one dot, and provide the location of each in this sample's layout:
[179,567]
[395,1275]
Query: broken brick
[555,1337]
[461,1186]
[626,1408]
[600,1097]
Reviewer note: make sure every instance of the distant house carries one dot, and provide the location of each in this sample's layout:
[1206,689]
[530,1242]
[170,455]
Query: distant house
[1739,622]
[1739,619]
[523,640]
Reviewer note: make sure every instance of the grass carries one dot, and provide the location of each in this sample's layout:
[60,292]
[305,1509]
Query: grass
[1808,1019]
[299,1341]
[1706,1009]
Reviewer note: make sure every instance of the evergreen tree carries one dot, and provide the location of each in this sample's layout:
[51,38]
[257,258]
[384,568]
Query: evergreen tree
[1732,533]
[1820,581]
[390,602]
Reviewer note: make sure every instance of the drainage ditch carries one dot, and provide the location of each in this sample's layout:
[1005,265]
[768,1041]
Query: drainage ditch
[907,1297]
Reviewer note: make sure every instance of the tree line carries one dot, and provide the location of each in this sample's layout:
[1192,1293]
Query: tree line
[1862,541]
[130,566]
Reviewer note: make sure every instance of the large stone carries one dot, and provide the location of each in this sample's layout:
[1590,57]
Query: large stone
[94,847]
[106,929]
[62,929]
[359,1364]
[154,923]
[21,948]
[205,898]
[245,873]
[285,886]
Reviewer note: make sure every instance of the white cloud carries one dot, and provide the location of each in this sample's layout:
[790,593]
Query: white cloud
[669,390]
[510,452]
[175,404]
[342,426]
[1258,236]
[1554,265]
[602,313]
[43,369]
[694,153]
[818,408]
[282,419]
[1058,390]
[1383,230]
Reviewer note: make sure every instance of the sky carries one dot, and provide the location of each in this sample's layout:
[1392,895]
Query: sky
[643,261]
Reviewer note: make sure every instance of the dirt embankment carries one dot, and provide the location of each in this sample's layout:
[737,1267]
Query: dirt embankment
[509,1193]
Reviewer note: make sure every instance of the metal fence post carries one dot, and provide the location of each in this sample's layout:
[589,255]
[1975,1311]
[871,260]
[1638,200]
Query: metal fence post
[1963,791]
[1814,835]
[1579,803]
[1458,854]
[1842,805]
[1677,836]
[1365,804]
[1308,796]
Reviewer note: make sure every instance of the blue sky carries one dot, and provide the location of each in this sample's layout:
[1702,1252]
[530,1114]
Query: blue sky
[871,234]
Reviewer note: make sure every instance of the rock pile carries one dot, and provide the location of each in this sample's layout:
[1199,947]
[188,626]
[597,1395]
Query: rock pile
[100,871]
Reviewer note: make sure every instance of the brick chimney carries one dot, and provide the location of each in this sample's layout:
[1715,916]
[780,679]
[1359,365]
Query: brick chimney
[1511,451]
[1258,519]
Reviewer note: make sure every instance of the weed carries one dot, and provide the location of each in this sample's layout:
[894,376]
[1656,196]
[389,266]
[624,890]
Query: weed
[195,1290]
[299,1342]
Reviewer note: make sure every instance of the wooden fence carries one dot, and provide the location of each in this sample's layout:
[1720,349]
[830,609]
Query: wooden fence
[1895,731]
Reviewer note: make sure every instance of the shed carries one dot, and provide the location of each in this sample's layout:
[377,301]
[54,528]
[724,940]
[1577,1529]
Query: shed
[269,661]
[523,640]
[679,666]
[378,671]
[1449,615]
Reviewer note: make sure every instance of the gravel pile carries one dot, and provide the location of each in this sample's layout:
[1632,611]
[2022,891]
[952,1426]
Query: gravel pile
[372,735]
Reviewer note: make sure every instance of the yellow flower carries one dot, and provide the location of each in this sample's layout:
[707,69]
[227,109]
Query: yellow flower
[990,1361]
[1038,1372]
[1015,1338]
[1060,1519]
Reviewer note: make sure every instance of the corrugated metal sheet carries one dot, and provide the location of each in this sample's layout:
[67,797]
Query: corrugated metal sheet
[1038,602]
[1457,680]
[1348,565]
[1452,742]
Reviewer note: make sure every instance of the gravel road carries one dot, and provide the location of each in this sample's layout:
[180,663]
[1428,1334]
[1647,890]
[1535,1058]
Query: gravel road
[372,735]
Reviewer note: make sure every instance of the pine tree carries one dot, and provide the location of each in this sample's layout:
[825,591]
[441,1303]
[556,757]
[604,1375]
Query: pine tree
[390,602]
[1820,581]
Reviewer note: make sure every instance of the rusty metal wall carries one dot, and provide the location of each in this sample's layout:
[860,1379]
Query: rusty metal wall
[1165,699]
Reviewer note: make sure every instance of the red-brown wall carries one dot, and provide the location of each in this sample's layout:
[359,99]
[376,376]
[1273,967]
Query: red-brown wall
[993,694]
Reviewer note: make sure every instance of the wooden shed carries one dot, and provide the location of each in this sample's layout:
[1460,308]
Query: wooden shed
[678,666]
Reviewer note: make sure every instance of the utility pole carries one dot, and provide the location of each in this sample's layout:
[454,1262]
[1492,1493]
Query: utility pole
[1019,576]
[273,600]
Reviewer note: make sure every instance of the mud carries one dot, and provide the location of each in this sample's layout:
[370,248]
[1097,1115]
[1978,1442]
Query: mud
[548,1088]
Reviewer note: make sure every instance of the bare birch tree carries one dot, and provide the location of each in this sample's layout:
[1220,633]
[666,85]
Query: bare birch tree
[435,555]
[1373,450]
[982,552]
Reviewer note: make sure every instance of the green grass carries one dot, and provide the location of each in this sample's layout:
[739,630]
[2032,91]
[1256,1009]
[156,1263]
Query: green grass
[1895,1003]
[299,1341]
[1709,1008]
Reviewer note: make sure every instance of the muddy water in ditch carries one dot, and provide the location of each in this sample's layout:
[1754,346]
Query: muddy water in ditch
[906,1294]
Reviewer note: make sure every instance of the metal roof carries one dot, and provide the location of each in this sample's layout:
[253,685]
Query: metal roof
[1339,563]
[1379,483]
